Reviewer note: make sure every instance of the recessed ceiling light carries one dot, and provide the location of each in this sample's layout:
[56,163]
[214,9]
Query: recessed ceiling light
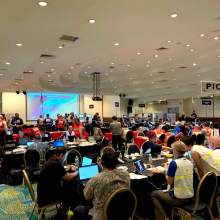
[116,44]
[151,74]
[69,73]
[174,15]
[202,35]
[198,75]
[42,4]
[188,45]
[60,47]
[72,67]
[194,64]
[152,82]
[169,41]
[156,56]
[91,21]
[85,72]
[112,63]
[41,62]
[49,75]
[1,74]
[52,69]
[89,67]
[19,44]
[8,63]
[128,65]
[191,50]
[138,53]
[215,38]
[218,56]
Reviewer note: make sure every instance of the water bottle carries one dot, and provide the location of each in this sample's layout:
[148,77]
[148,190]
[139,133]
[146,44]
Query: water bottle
[77,161]
[150,158]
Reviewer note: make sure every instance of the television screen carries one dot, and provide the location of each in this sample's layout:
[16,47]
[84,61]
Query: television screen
[51,103]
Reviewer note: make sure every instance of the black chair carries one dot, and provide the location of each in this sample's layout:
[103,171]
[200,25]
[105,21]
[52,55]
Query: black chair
[203,200]
[32,164]
[121,205]
[41,209]
[129,137]
[132,149]
[72,157]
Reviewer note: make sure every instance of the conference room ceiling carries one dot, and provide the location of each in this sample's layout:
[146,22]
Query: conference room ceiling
[149,49]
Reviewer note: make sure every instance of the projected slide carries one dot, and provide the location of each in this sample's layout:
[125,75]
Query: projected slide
[52,103]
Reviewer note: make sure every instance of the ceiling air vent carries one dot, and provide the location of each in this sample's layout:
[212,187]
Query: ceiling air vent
[47,55]
[162,48]
[162,80]
[3,69]
[28,72]
[161,72]
[69,38]
[50,81]
[182,67]
[111,67]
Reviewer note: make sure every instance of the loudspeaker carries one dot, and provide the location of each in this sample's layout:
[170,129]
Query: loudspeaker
[130,102]
[129,109]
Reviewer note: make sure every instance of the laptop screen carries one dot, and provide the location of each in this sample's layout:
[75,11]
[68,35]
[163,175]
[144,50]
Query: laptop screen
[87,172]
[86,161]
[139,166]
[58,143]
[30,144]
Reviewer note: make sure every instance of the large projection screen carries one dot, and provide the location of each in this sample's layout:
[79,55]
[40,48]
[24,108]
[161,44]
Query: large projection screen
[51,103]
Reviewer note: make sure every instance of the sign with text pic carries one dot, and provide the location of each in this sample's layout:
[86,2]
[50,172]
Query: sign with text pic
[210,87]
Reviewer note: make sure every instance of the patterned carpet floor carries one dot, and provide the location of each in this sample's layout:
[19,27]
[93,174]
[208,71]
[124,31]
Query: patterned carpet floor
[16,204]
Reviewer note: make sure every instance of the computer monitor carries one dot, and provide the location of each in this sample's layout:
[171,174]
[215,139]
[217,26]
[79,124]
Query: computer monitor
[86,161]
[30,144]
[87,172]
[139,166]
[58,143]
[156,150]
[71,138]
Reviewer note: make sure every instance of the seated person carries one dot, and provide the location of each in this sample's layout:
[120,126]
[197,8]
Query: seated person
[100,187]
[151,143]
[69,135]
[35,132]
[207,160]
[182,189]
[50,188]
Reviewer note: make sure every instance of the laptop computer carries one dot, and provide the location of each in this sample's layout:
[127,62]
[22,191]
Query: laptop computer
[140,168]
[87,172]
[58,143]
[86,161]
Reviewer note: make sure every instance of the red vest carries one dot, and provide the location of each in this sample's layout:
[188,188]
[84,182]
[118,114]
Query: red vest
[2,126]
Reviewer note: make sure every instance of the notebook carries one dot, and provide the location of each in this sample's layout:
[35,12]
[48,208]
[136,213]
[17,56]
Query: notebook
[86,161]
[87,172]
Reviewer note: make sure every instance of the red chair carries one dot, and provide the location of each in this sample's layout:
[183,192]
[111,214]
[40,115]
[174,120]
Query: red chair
[108,136]
[139,141]
[15,138]
[56,135]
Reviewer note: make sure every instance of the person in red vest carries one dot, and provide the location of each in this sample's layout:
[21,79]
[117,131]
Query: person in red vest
[3,129]
[60,123]
[35,132]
